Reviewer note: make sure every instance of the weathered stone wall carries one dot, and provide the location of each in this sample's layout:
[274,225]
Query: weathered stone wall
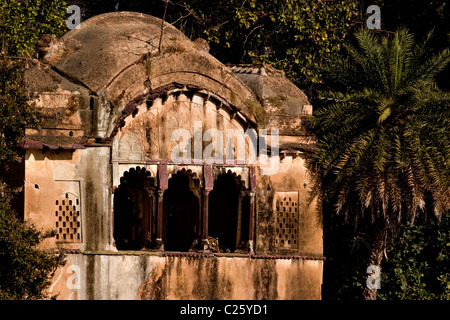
[149,276]
[150,133]
[113,100]
[48,177]
[84,175]
[292,177]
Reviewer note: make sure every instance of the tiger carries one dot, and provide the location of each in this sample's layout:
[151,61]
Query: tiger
[213,244]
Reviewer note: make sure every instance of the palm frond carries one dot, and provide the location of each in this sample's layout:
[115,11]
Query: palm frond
[384,135]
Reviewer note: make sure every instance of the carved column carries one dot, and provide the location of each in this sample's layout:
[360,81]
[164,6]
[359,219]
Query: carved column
[159,243]
[209,185]
[205,200]
[148,220]
[239,219]
[251,222]
[252,196]
[163,185]
[199,196]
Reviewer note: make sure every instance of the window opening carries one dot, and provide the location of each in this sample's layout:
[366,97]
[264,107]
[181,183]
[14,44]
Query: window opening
[228,213]
[181,212]
[286,204]
[133,209]
[67,219]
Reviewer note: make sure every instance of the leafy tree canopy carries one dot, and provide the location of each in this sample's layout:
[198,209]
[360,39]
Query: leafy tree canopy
[16,110]
[384,135]
[294,36]
[417,264]
[24,270]
[386,124]
[420,17]
[22,22]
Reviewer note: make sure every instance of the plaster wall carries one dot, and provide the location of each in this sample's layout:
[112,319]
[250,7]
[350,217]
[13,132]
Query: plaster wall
[291,176]
[83,174]
[148,276]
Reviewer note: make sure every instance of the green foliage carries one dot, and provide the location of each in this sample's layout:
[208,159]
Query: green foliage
[24,270]
[16,110]
[384,136]
[294,36]
[419,17]
[384,131]
[417,265]
[21,25]
[23,22]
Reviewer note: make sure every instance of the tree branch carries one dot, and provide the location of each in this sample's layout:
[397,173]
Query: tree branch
[162,26]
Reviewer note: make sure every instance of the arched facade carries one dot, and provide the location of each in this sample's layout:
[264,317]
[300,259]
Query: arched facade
[184,129]
[162,155]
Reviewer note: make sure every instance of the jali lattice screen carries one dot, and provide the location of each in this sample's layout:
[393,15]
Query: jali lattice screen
[287,219]
[67,216]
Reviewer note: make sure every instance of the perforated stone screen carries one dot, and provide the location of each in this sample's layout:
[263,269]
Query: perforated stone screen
[287,220]
[67,219]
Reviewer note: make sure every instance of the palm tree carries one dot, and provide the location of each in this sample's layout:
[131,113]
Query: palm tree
[384,131]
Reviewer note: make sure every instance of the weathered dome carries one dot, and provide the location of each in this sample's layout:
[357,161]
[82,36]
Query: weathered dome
[114,61]
[107,44]
[92,78]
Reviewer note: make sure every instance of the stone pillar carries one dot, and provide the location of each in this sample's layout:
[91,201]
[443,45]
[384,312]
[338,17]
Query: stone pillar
[239,220]
[200,217]
[148,219]
[251,224]
[208,186]
[252,197]
[153,216]
[205,202]
[159,243]
[163,185]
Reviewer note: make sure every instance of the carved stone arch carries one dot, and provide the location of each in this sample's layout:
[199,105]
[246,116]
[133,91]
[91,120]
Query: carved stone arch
[236,176]
[152,126]
[176,89]
[195,182]
[126,171]
[241,174]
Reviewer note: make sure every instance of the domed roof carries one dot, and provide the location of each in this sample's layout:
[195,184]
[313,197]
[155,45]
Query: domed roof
[91,78]
[117,57]
[106,44]
[271,86]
